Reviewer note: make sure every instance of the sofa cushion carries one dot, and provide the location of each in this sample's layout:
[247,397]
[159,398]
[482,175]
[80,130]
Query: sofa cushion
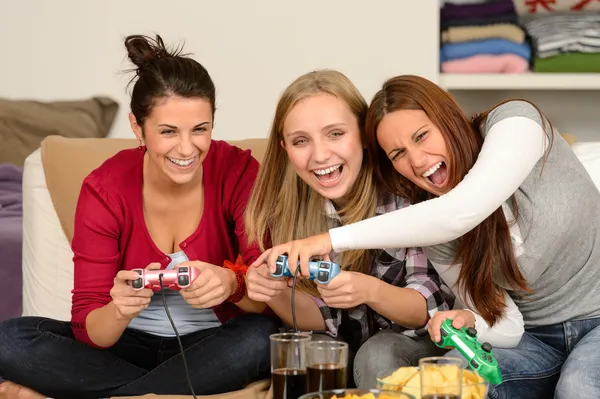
[47,255]
[67,161]
[24,124]
[589,155]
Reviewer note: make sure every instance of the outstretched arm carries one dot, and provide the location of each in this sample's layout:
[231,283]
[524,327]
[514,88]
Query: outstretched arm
[512,147]
[514,143]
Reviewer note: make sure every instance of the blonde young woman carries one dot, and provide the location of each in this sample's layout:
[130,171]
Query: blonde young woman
[316,176]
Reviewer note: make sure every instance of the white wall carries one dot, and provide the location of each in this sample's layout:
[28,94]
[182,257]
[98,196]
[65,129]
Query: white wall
[69,49]
[570,111]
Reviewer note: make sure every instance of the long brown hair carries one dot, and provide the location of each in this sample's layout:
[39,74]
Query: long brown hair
[489,244]
[282,206]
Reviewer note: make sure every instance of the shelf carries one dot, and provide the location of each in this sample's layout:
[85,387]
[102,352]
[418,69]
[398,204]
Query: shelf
[521,81]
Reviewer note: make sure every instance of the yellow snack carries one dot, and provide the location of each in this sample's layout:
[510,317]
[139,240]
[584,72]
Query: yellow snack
[365,396]
[354,396]
[449,372]
[408,380]
[401,376]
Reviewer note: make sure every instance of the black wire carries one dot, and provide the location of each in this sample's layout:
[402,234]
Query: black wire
[293,296]
[187,372]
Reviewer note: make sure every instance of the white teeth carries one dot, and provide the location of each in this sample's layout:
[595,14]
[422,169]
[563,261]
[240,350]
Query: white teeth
[431,170]
[181,162]
[326,170]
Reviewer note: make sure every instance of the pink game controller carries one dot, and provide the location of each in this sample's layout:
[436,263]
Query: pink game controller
[176,279]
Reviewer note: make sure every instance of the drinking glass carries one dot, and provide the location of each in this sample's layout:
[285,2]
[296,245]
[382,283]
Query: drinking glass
[327,363]
[441,377]
[288,364]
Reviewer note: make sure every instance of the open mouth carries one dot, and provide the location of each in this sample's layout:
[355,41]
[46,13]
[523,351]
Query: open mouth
[330,175]
[182,163]
[437,174]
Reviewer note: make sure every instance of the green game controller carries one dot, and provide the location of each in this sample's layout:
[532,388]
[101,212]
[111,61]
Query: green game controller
[479,356]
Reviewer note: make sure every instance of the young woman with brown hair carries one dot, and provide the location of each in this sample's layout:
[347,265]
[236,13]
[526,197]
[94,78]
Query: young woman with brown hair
[176,200]
[509,217]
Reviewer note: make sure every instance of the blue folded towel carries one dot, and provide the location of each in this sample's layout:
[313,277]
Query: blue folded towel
[453,51]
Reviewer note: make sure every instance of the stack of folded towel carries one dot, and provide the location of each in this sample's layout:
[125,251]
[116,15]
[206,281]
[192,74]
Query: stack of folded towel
[566,42]
[482,36]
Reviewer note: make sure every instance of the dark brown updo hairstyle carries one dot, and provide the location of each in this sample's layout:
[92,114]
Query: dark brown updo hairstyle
[163,73]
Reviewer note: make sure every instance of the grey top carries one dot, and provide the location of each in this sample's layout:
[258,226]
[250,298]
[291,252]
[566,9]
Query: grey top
[557,237]
[154,320]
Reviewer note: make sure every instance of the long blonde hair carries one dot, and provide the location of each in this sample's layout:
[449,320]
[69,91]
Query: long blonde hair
[282,206]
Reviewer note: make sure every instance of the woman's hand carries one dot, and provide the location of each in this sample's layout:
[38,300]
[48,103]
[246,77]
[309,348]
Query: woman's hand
[347,290]
[460,318]
[212,287]
[263,287]
[128,301]
[317,246]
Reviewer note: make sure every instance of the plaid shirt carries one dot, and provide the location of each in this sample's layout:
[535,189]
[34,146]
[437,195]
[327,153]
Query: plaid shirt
[401,267]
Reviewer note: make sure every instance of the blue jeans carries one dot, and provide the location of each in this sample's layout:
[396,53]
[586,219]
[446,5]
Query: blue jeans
[42,354]
[559,361]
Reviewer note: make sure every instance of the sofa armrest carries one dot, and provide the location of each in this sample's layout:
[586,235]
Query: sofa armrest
[47,256]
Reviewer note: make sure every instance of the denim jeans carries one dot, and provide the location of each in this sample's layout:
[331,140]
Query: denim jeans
[387,350]
[559,361]
[42,354]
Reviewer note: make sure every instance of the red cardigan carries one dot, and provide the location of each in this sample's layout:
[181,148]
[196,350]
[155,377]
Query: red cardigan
[110,232]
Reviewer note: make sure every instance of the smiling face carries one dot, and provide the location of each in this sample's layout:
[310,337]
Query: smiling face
[322,139]
[177,134]
[416,148]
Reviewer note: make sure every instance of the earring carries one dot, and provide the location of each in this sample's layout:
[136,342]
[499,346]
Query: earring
[141,144]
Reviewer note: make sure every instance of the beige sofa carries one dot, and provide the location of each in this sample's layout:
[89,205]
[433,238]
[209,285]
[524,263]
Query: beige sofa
[51,182]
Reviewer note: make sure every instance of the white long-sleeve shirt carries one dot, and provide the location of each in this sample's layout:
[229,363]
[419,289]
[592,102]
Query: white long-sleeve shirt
[550,223]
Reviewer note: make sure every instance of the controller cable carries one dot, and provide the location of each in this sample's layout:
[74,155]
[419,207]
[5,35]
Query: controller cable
[293,296]
[187,372]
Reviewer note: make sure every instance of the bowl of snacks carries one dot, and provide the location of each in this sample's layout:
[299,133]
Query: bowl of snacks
[357,394]
[408,380]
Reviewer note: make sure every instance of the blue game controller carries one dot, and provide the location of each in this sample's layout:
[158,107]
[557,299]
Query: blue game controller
[321,271]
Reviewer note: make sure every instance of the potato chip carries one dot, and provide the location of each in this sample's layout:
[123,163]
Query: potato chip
[408,380]
[369,395]
[400,376]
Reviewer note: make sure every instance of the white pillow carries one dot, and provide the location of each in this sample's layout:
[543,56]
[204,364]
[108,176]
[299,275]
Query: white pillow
[47,255]
[589,154]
